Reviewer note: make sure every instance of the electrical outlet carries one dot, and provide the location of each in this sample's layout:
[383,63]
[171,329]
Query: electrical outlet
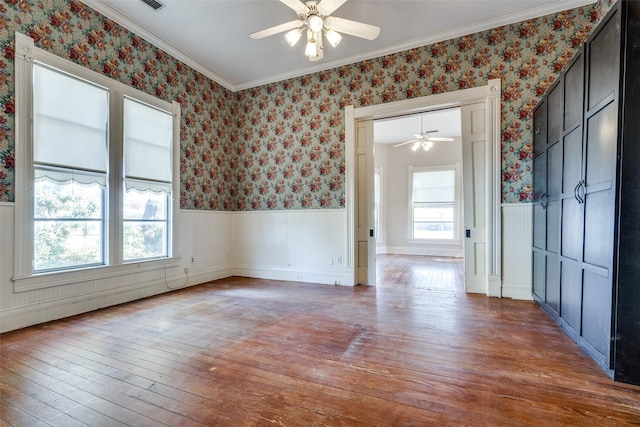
[339,260]
[193,259]
[186,270]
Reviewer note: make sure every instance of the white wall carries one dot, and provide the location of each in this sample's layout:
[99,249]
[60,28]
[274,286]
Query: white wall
[395,164]
[305,246]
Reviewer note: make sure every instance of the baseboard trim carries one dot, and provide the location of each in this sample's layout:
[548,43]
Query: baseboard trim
[425,251]
[517,290]
[306,276]
[40,312]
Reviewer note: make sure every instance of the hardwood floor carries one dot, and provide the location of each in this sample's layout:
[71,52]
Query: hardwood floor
[245,352]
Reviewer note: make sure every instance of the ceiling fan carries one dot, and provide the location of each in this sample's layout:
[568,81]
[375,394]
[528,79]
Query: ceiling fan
[424,141]
[315,17]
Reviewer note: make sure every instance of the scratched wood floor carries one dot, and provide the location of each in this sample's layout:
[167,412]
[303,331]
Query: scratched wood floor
[412,350]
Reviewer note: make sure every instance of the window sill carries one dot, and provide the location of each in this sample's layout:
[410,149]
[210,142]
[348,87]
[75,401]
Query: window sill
[61,278]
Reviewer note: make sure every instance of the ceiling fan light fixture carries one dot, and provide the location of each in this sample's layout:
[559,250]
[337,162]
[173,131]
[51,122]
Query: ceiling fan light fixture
[293,36]
[333,37]
[415,146]
[315,23]
[311,50]
[426,146]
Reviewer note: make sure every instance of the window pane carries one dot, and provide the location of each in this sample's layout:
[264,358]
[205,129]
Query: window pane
[67,198]
[148,134]
[438,231]
[62,244]
[70,121]
[145,205]
[144,239]
[438,213]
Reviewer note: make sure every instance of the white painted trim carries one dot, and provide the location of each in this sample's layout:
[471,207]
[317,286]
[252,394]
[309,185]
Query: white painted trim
[517,290]
[112,13]
[292,275]
[284,211]
[425,250]
[490,93]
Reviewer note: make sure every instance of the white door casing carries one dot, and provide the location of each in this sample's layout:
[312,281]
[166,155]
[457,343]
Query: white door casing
[490,96]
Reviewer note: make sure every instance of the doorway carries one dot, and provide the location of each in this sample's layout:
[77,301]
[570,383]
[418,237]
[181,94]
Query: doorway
[418,221]
[360,177]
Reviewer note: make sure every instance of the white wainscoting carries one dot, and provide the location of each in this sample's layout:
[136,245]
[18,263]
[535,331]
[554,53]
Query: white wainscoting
[205,236]
[302,245]
[517,226]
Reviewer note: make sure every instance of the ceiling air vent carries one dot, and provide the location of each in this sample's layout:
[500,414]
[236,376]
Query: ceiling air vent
[153,4]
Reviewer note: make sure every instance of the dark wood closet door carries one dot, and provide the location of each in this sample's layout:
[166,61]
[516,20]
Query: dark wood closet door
[601,146]
[572,214]
[555,113]
[539,200]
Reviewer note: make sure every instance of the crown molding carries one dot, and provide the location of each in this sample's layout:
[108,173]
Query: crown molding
[102,7]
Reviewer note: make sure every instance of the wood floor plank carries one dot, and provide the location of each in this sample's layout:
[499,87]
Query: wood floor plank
[413,350]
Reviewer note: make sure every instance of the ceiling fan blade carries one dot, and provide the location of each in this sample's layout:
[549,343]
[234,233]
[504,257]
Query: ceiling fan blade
[354,28]
[277,29]
[327,7]
[405,143]
[297,5]
[440,138]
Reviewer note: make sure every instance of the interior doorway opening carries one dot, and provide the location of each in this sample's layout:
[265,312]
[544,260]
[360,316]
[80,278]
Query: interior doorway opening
[418,202]
[481,154]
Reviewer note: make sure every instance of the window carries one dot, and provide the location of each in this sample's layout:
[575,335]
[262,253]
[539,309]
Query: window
[433,206]
[97,169]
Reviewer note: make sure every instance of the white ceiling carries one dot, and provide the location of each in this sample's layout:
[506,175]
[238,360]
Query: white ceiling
[395,130]
[212,36]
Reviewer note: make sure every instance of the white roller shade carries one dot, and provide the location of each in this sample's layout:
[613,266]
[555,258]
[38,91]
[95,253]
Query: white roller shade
[434,186]
[70,120]
[148,135]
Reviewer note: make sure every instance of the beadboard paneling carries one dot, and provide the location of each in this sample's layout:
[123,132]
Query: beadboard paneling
[517,223]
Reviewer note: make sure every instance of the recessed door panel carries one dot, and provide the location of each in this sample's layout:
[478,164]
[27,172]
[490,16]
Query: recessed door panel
[539,227]
[602,145]
[596,311]
[571,295]
[573,93]
[540,128]
[554,171]
[552,293]
[598,229]
[571,229]
[539,275]
[555,113]
[572,162]
[604,60]
[553,226]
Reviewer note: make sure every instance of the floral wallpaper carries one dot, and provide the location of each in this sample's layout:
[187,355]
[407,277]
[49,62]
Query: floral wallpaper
[281,146]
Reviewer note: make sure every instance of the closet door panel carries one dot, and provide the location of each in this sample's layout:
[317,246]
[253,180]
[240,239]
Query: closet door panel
[540,128]
[598,229]
[604,59]
[552,292]
[555,113]
[539,275]
[602,147]
[596,311]
[553,227]
[539,195]
[554,171]
[573,93]
[571,209]
[571,295]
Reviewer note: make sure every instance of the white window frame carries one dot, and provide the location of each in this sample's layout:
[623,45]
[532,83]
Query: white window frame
[24,277]
[457,216]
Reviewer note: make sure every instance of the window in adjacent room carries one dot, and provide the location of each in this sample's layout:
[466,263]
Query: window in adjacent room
[433,203]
